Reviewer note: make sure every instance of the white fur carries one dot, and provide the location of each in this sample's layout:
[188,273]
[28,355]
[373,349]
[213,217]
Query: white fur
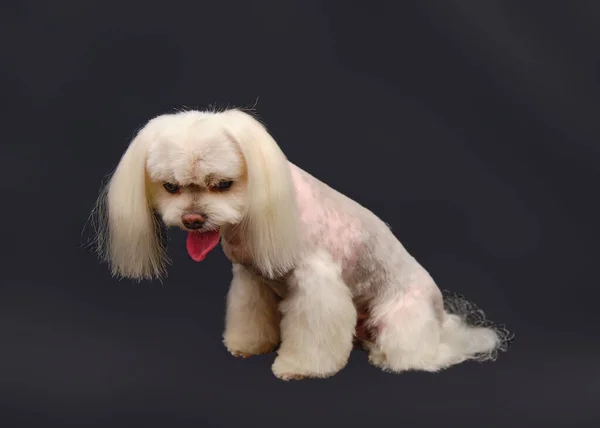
[127,236]
[318,322]
[252,318]
[305,256]
[165,150]
[271,218]
[416,334]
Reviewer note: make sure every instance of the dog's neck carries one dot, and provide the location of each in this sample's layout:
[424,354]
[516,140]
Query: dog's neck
[233,243]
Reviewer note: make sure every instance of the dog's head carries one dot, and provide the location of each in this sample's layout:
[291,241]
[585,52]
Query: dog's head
[202,172]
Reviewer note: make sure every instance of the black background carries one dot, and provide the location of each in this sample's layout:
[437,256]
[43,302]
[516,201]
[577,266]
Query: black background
[471,127]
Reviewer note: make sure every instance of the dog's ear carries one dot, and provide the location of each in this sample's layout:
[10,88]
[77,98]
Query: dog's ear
[271,223]
[129,235]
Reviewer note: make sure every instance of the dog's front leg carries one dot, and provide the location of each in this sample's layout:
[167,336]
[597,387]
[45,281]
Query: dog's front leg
[318,323]
[252,318]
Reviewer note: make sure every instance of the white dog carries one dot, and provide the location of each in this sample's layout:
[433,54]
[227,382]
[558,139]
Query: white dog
[312,270]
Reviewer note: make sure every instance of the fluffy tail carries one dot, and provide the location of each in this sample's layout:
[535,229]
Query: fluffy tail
[467,334]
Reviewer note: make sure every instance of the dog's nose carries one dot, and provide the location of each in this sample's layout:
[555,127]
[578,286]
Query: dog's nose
[192,221]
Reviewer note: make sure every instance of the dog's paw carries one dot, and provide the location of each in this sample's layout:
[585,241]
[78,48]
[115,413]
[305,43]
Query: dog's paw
[377,357]
[382,361]
[284,371]
[244,349]
[247,342]
[288,369]
[239,354]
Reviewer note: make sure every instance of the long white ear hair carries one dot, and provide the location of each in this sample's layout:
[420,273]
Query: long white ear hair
[129,235]
[271,224]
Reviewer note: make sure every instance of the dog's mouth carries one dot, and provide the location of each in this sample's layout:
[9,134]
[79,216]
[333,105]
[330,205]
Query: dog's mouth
[199,244]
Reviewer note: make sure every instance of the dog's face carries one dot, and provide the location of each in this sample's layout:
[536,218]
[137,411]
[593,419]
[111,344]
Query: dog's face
[196,174]
[201,172]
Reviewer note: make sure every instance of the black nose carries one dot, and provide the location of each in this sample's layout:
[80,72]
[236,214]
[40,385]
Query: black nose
[193,225]
[192,221]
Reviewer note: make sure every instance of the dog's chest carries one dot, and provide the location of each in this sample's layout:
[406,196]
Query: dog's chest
[279,286]
[234,248]
[236,252]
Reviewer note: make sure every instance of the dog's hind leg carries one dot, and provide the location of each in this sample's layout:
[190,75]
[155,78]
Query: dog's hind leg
[407,333]
[415,332]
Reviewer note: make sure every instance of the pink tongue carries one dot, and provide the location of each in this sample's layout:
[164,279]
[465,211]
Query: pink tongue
[199,244]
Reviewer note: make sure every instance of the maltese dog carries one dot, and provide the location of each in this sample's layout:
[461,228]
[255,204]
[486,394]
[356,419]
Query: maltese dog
[314,272]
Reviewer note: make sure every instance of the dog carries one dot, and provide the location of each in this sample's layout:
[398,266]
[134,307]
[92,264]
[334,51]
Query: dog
[314,272]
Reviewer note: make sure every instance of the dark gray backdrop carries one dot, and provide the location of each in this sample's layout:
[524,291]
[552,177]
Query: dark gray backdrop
[471,127]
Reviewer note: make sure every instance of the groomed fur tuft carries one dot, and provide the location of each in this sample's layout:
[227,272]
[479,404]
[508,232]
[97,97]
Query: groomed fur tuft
[130,237]
[473,316]
[271,222]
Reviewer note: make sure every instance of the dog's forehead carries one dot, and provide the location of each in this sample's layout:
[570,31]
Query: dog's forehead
[189,149]
[197,132]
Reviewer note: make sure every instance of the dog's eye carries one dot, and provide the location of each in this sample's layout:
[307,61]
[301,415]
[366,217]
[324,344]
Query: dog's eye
[171,188]
[224,185]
